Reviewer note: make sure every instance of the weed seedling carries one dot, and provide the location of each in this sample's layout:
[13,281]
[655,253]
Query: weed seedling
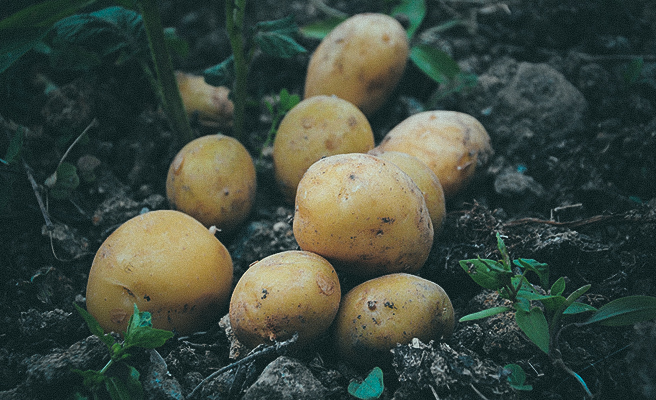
[542,325]
[120,379]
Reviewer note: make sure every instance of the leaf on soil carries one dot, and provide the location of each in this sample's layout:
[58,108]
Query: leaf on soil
[371,388]
[484,314]
[517,377]
[624,311]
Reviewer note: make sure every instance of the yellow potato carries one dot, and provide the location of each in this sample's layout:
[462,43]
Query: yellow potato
[361,60]
[168,264]
[213,179]
[451,143]
[364,214]
[210,103]
[425,179]
[377,314]
[288,292]
[317,127]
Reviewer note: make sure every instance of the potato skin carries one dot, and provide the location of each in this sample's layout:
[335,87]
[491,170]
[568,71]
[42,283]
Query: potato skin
[425,179]
[213,179]
[452,144]
[377,314]
[364,214]
[287,292]
[361,60]
[168,264]
[210,103]
[317,127]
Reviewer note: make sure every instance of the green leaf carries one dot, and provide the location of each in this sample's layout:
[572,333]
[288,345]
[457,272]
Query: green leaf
[371,388]
[578,308]
[90,378]
[558,287]
[114,34]
[435,63]
[18,41]
[44,14]
[484,313]
[624,311]
[287,101]
[319,30]
[140,332]
[415,10]
[535,326]
[275,38]
[633,71]
[222,74]
[119,389]
[517,378]
[576,294]
[550,302]
[479,270]
[501,245]
[94,326]
[541,269]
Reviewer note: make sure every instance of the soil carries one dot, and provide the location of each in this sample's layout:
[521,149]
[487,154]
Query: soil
[572,184]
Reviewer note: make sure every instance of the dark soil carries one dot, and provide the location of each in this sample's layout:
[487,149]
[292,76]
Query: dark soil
[572,184]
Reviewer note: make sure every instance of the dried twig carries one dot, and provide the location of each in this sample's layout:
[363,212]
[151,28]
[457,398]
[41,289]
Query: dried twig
[279,348]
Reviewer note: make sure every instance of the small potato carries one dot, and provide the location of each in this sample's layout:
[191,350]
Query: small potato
[213,179]
[361,60]
[377,314]
[209,103]
[425,179]
[364,214]
[168,264]
[288,292]
[317,127]
[451,143]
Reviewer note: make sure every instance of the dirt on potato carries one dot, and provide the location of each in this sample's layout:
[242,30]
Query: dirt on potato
[567,92]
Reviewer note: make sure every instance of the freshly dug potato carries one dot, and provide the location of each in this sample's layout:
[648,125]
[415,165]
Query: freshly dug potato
[288,292]
[451,143]
[213,179]
[364,214]
[361,60]
[377,314]
[425,179]
[317,127]
[168,264]
[210,103]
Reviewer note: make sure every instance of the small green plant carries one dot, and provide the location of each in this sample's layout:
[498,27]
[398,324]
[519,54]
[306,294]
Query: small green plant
[433,62]
[370,388]
[277,111]
[274,38]
[542,325]
[120,379]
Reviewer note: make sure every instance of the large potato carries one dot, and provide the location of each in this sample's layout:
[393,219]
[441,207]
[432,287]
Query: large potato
[377,314]
[361,60]
[213,179]
[451,143]
[425,179]
[363,214]
[168,264]
[317,127]
[288,292]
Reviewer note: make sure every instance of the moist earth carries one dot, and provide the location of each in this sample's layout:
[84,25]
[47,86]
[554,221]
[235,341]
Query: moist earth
[567,92]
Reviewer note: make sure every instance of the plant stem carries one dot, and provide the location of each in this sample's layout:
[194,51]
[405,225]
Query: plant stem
[173,106]
[235,11]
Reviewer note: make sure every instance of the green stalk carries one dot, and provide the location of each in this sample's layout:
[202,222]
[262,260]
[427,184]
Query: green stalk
[235,11]
[173,106]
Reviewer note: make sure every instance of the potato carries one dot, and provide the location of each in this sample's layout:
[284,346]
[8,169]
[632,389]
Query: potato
[317,127]
[451,143]
[377,314]
[361,60]
[168,264]
[364,214]
[209,103]
[213,179]
[288,292]
[425,179]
